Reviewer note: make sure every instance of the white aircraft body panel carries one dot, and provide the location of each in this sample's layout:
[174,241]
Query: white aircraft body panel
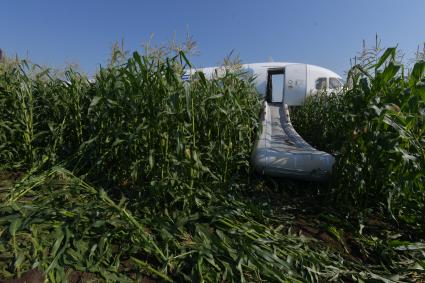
[295,84]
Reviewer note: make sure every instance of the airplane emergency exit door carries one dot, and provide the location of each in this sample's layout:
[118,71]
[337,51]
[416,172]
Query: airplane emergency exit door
[295,84]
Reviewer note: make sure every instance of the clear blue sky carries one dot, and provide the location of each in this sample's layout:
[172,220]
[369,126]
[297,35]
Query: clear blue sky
[322,32]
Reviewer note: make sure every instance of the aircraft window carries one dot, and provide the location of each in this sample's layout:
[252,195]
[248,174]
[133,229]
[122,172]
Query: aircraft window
[321,83]
[334,83]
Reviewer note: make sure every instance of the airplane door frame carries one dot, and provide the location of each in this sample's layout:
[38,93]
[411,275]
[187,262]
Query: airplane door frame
[269,92]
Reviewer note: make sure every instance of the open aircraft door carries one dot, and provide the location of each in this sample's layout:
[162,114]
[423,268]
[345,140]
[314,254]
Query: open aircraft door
[295,84]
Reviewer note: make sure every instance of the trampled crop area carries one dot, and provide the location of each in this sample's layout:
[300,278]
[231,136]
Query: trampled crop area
[138,175]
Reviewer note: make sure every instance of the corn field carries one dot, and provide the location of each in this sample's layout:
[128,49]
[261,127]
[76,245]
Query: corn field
[378,129]
[138,175]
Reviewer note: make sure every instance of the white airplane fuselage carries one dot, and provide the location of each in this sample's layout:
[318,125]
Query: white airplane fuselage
[289,83]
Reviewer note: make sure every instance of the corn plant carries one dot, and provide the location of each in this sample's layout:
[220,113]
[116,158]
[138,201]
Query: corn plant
[376,129]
